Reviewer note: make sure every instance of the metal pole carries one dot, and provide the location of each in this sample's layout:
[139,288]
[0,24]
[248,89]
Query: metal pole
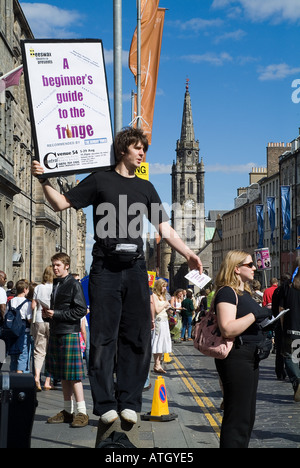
[132,106]
[118,104]
[139,98]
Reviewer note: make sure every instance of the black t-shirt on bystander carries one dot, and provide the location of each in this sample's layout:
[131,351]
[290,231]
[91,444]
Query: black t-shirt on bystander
[246,305]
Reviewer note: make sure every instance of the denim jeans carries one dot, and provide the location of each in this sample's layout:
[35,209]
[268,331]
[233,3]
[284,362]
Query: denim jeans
[120,334]
[21,362]
[186,324]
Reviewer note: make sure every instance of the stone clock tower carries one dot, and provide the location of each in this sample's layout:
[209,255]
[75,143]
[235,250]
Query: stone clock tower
[188,216]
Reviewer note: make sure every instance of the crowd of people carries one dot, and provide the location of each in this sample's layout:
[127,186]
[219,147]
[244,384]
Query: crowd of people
[55,334]
[122,336]
[241,307]
[237,298]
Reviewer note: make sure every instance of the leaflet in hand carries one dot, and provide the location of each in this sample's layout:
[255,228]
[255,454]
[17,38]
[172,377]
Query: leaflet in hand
[45,305]
[267,322]
[197,279]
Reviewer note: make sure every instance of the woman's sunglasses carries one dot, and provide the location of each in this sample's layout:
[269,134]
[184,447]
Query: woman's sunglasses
[249,265]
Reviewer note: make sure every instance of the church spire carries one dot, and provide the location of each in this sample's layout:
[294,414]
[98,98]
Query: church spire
[187,128]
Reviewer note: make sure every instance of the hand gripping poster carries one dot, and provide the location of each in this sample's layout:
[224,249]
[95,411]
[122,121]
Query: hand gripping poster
[69,107]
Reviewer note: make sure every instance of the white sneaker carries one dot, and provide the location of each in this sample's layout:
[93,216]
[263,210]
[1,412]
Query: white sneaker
[129,416]
[109,417]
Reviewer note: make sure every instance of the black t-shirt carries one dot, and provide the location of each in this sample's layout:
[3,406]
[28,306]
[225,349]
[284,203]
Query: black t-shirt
[119,204]
[291,300]
[246,305]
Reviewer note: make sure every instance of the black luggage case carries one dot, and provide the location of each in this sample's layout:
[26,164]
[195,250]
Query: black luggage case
[17,409]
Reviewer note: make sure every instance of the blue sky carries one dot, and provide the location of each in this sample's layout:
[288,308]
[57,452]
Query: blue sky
[241,57]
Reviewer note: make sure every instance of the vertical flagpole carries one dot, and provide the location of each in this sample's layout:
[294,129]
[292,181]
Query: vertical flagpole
[139,98]
[118,105]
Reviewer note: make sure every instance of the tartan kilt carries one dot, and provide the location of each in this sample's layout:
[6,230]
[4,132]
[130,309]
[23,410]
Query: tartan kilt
[64,358]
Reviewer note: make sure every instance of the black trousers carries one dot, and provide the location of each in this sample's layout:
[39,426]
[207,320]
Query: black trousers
[239,374]
[120,334]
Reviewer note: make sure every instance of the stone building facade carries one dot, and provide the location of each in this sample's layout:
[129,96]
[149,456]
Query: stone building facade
[238,228]
[30,231]
[289,174]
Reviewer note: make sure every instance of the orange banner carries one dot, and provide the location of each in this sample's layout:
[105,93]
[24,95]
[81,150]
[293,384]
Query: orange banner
[151,38]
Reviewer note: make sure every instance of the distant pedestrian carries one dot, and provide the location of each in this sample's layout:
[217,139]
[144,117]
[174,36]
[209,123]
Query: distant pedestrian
[11,291]
[41,331]
[277,298]
[3,296]
[291,333]
[3,301]
[161,338]
[20,350]
[176,301]
[257,293]
[64,358]
[187,315]
[238,317]
[268,293]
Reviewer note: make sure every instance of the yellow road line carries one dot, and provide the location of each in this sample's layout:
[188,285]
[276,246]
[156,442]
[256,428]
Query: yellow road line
[199,396]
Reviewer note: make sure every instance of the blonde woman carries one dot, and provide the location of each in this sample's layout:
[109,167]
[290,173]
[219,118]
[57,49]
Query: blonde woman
[40,328]
[238,316]
[161,338]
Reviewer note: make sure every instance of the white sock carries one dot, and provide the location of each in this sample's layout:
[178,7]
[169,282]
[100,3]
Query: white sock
[81,407]
[68,406]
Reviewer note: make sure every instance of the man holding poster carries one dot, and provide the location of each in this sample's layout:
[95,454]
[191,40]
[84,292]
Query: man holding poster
[68,102]
[118,286]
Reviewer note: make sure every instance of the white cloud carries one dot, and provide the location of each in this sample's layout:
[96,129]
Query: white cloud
[157,168]
[234,35]
[49,21]
[258,10]
[276,72]
[195,24]
[209,57]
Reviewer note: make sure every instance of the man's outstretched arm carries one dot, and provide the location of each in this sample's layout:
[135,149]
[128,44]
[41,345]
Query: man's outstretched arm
[57,200]
[172,238]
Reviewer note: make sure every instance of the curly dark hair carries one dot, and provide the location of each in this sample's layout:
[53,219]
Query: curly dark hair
[129,136]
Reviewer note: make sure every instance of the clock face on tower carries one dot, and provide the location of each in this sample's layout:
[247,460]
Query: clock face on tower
[189,204]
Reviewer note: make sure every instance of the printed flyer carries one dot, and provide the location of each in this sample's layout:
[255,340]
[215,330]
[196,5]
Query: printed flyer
[69,106]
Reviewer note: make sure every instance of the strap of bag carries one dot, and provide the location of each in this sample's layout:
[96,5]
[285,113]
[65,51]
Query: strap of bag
[213,299]
[21,305]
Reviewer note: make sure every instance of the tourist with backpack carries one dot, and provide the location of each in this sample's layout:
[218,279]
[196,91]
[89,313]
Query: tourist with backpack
[19,348]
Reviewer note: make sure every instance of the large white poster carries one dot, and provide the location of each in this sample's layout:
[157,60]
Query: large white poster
[67,93]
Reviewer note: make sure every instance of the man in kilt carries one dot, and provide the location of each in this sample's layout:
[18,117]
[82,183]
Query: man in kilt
[64,359]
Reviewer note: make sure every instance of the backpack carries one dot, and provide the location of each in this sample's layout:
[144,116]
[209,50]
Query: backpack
[13,325]
[208,339]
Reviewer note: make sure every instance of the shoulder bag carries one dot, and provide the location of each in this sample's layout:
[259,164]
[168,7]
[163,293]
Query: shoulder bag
[208,339]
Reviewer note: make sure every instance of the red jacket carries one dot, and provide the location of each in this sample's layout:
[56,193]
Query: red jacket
[267,297]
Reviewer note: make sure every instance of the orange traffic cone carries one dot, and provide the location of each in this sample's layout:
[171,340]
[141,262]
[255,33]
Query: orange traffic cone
[160,407]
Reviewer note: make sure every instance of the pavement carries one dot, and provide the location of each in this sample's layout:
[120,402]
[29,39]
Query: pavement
[193,398]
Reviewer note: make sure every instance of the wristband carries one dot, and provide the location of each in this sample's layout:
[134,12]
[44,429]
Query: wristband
[43,181]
